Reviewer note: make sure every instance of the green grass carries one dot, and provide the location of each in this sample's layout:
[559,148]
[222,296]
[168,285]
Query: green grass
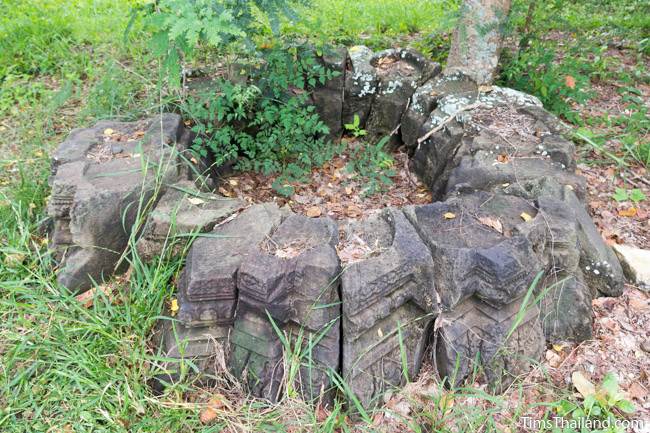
[378,24]
[65,64]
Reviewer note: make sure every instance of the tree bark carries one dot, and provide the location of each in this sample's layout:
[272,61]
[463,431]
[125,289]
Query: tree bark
[477,38]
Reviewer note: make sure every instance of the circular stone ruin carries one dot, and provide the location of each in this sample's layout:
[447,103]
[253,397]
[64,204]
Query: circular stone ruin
[456,279]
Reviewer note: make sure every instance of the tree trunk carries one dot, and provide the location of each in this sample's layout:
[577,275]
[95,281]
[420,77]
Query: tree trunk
[477,39]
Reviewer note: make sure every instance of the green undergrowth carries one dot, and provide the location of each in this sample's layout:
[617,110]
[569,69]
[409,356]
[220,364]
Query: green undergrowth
[571,48]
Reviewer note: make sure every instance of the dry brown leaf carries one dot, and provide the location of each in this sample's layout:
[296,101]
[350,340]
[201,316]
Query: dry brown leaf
[353,211]
[87,298]
[582,384]
[378,419]
[449,215]
[609,323]
[628,213]
[492,222]
[637,391]
[553,359]
[321,413]
[313,212]
[223,191]
[209,413]
[14,259]
[503,158]
[570,82]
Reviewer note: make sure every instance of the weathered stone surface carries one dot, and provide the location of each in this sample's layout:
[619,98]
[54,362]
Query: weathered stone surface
[207,287]
[636,264]
[507,139]
[400,72]
[290,282]
[361,85]
[425,100]
[477,333]
[388,302]
[181,212]
[207,292]
[480,247]
[486,258]
[201,346]
[565,302]
[600,269]
[328,97]
[99,176]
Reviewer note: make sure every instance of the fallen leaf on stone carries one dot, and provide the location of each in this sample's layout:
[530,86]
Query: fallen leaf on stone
[628,213]
[582,384]
[449,215]
[526,217]
[492,222]
[108,132]
[195,201]
[209,413]
[503,158]
[313,212]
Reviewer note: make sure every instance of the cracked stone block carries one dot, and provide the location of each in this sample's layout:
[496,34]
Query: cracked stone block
[181,212]
[328,97]
[99,175]
[201,346]
[400,72]
[565,302]
[507,139]
[207,290]
[289,286]
[425,100]
[504,342]
[480,247]
[388,300]
[600,267]
[361,85]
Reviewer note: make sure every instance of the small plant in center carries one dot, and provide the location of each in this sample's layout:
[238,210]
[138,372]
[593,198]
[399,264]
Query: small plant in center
[265,124]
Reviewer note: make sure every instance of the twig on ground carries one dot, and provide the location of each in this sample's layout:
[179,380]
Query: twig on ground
[447,120]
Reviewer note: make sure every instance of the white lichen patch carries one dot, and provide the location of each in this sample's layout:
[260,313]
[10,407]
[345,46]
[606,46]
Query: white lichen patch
[505,95]
[392,86]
